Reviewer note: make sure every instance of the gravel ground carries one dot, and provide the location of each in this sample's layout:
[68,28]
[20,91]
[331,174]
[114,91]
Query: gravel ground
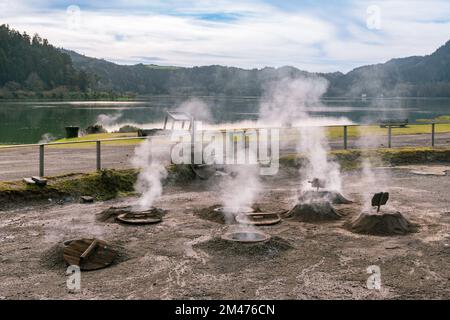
[184,257]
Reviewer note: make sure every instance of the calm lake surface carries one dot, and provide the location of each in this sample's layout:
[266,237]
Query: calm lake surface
[28,122]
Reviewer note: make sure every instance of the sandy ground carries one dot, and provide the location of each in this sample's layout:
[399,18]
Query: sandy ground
[24,162]
[183,256]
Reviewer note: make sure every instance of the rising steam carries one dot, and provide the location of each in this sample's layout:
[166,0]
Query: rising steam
[291,100]
[149,183]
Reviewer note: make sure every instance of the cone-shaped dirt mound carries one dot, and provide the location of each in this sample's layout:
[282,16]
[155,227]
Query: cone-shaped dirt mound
[313,212]
[331,196]
[382,224]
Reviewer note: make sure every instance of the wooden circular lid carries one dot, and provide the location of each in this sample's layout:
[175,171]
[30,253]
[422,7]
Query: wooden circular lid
[88,254]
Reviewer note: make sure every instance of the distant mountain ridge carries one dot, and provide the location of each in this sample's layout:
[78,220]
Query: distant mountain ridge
[412,76]
[32,67]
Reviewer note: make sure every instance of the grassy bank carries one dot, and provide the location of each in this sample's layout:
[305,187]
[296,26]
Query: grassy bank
[109,184]
[351,159]
[338,132]
[103,185]
[100,136]
[286,135]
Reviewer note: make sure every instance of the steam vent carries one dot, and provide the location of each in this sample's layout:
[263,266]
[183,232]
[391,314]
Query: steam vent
[246,236]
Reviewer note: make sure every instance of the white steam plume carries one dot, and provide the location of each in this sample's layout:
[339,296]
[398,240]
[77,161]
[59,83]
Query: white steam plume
[288,99]
[291,99]
[108,120]
[149,183]
[196,108]
[371,181]
[242,189]
[46,138]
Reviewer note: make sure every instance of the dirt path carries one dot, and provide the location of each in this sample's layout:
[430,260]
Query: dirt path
[182,257]
[22,162]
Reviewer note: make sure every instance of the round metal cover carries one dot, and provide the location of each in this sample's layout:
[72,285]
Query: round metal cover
[258,219]
[246,237]
[235,210]
[88,254]
[141,217]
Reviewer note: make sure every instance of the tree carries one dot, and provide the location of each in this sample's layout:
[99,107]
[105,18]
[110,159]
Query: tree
[34,82]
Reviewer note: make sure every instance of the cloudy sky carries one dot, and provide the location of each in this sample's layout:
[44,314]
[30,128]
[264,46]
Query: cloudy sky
[312,35]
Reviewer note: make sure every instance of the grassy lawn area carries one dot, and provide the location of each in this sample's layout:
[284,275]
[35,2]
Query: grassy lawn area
[291,134]
[99,136]
[338,132]
[351,159]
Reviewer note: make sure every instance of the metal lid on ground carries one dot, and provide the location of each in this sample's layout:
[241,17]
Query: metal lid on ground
[246,237]
[234,210]
[258,218]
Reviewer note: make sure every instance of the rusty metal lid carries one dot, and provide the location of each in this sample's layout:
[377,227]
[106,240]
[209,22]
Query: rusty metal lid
[140,217]
[258,218]
[234,210]
[246,236]
[88,254]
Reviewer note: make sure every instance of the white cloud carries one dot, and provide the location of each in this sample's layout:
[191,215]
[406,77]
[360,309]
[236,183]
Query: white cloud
[261,35]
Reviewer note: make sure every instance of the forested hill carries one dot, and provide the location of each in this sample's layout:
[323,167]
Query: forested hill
[427,76]
[32,64]
[206,80]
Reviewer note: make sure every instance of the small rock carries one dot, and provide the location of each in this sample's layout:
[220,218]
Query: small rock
[39,181]
[87,199]
[29,181]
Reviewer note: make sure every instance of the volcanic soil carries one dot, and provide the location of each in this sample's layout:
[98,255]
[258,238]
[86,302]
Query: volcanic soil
[184,257]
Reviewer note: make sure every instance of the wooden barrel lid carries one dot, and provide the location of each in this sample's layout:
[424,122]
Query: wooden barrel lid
[143,217]
[88,254]
[258,218]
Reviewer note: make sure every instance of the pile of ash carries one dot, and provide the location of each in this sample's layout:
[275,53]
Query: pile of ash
[382,224]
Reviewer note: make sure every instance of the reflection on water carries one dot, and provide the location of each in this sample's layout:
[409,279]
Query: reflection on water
[27,122]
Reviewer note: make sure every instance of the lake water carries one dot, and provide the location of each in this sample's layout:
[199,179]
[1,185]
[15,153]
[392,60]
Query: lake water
[27,122]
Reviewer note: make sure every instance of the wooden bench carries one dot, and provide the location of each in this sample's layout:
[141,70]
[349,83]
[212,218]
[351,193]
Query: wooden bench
[400,123]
